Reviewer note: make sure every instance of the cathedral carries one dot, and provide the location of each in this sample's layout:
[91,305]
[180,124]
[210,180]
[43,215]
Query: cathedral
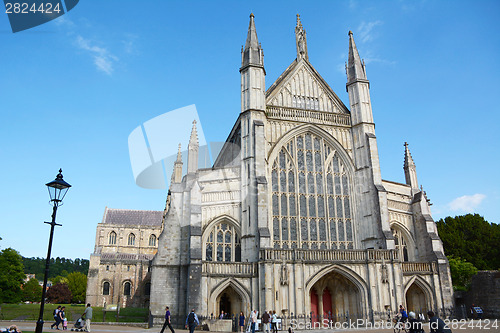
[294,215]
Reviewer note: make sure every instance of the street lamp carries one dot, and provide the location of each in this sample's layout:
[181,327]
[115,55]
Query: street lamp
[57,191]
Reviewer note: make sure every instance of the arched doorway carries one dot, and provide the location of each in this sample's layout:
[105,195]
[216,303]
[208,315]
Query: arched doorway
[229,301]
[416,300]
[336,298]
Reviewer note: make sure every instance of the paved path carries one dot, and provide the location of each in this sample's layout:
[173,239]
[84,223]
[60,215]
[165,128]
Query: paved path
[97,328]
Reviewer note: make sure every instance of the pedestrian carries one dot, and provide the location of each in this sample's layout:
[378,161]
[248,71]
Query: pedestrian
[415,324]
[265,322]
[221,315]
[65,324]
[167,321]
[253,317]
[274,322]
[56,317]
[242,321]
[88,317]
[62,315]
[192,321]
[436,324]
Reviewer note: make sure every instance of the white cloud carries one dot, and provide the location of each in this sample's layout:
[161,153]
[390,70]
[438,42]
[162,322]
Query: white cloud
[467,203]
[103,59]
[365,30]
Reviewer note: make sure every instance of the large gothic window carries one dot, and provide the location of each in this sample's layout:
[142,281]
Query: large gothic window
[223,243]
[311,196]
[112,238]
[401,244]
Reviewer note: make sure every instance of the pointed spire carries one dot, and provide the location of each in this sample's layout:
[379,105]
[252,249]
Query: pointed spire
[300,40]
[355,67]
[177,172]
[252,52]
[193,150]
[193,140]
[410,169]
[179,155]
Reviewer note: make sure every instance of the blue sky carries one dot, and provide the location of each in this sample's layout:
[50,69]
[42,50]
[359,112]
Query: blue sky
[72,91]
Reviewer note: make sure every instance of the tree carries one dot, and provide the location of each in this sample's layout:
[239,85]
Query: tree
[59,279]
[471,238]
[32,291]
[77,283]
[11,276]
[59,293]
[461,273]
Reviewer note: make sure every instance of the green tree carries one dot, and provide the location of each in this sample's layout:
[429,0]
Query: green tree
[59,293]
[11,276]
[471,238]
[59,279]
[77,283]
[32,291]
[461,273]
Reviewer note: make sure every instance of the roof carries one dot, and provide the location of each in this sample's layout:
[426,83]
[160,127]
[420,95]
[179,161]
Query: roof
[132,217]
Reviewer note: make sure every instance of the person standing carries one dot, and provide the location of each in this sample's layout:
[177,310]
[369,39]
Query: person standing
[274,322]
[192,321]
[56,317]
[167,321]
[242,321]
[88,317]
[253,317]
[265,322]
[436,324]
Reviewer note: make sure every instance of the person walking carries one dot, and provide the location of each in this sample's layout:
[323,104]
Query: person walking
[274,322]
[62,315]
[167,321]
[56,317]
[253,317]
[242,321]
[192,321]
[265,322]
[88,317]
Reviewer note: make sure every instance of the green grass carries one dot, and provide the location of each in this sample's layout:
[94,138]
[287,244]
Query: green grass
[73,312]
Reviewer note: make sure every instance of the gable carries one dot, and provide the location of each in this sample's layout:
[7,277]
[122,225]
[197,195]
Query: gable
[301,87]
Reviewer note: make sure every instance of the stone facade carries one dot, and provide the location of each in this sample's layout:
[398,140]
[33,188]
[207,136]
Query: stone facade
[294,215]
[120,267]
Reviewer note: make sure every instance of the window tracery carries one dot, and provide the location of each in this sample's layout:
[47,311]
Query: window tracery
[223,243]
[311,196]
[400,243]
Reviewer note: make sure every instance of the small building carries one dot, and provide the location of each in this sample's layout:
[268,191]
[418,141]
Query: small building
[120,270]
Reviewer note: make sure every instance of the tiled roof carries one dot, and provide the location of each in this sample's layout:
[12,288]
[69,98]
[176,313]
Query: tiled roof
[132,217]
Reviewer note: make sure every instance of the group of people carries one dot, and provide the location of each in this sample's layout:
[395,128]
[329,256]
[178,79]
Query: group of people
[60,318]
[269,321]
[436,324]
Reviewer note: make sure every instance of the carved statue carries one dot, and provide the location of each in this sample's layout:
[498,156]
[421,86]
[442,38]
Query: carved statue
[284,274]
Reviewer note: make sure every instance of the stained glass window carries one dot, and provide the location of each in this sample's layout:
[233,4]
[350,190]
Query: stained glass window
[317,213]
[226,246]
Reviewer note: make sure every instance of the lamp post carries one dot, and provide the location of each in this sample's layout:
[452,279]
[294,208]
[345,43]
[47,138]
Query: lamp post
[57,191]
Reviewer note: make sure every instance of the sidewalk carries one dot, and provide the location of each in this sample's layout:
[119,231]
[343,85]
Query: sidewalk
[100,328]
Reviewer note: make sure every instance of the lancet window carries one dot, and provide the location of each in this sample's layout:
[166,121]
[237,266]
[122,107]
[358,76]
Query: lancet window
[223,243]
[152,240]
[131,239]
[112,238]
[400,243]
[311,196]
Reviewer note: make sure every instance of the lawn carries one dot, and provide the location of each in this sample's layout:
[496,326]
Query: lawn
[73,312]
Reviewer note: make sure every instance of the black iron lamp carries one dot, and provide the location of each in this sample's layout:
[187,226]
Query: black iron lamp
[57,191]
